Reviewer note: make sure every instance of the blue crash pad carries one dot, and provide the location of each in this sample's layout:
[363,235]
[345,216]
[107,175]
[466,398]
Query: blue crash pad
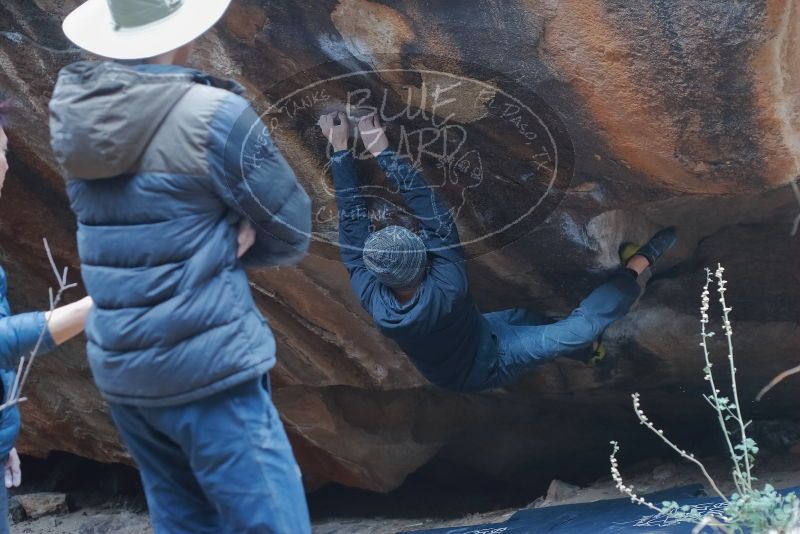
[617,515]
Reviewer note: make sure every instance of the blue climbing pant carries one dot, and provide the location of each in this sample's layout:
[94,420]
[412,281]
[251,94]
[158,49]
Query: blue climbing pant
[525,339]
[219,464]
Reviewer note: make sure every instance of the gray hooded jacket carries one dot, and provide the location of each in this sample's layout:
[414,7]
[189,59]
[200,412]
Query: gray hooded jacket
[161,164]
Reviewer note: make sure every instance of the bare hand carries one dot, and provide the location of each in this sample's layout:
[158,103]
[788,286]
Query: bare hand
[335,133]
[373,134]
[246,237]
[66,322]
[13,470]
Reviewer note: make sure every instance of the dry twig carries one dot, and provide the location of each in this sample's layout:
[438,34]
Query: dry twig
[15,395]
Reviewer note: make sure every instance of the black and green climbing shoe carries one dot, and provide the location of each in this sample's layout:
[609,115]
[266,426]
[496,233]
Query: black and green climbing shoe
[591,356]
[598,353]
[627,251]
[662,241]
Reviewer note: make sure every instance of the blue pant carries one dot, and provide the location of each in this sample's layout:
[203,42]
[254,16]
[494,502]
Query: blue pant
[526,339]
[221,464]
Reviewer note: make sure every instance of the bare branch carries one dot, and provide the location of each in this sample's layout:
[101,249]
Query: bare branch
[52,262]
[728,329]
[25,367]
[686,455]
[777,380]
[709,377]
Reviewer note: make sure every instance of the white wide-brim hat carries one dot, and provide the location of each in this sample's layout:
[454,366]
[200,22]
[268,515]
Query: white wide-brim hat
[93,28]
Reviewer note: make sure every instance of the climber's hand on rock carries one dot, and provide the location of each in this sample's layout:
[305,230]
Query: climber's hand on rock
[335,133]
[13,470]
[372,134]
[246,237]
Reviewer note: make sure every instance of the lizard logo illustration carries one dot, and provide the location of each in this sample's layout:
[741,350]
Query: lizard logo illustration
[461,171]
[497,154]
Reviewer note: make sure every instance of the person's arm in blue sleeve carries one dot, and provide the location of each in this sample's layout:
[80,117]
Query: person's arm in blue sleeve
[439,231]
[353,216]
[353,211]
[19,335]
[254,180]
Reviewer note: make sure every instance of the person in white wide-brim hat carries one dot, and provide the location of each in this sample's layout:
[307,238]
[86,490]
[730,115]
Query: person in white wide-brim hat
[136,29]
[177,187]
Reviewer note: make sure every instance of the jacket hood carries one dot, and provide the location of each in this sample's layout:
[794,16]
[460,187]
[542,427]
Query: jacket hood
[103,115]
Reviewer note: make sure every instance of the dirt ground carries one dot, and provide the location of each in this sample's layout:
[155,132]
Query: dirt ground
[781,471]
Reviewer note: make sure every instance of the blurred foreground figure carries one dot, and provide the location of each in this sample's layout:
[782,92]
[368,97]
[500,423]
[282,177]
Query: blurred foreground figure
[167,222]
[19,335]
[415,285]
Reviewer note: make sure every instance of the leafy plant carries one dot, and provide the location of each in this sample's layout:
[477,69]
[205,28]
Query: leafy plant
[761,511]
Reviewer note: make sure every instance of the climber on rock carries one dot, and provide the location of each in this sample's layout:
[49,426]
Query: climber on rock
[19,336]
[415,286]
[167,222]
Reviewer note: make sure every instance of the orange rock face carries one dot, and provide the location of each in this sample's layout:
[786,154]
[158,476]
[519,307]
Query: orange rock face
[642,115]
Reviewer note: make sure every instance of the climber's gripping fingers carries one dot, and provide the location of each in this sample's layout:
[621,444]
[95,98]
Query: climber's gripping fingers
[325,124]
[336,134]
[372,134]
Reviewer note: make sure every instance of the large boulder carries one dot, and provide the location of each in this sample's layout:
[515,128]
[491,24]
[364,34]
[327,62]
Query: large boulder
[578,124]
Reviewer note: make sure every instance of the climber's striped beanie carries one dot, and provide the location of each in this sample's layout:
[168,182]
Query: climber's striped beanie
[396,256]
